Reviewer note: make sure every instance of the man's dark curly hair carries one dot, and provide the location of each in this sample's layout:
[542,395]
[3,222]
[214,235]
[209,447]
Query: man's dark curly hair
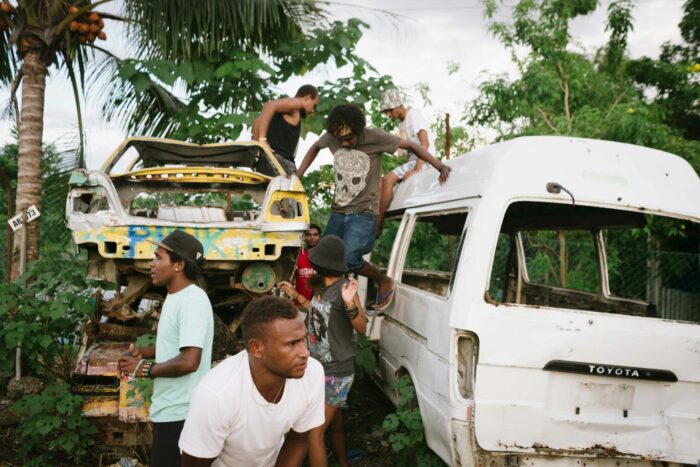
[261,312]
[349,115]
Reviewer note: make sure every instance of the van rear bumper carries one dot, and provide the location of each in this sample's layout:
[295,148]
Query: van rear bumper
[467,453]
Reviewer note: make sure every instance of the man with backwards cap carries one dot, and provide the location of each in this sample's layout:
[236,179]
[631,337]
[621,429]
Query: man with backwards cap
[335,315]
[183,343]
[413,127]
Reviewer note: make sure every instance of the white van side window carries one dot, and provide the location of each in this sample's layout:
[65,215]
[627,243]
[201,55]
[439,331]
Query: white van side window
[433,251]
[597,259]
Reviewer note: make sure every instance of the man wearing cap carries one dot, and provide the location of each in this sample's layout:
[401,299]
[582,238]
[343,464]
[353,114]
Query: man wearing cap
[183,343]
[413,127]
[335,314]
[357,155]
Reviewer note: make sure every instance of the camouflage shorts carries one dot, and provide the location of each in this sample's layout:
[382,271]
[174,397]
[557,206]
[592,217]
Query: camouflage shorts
[337,389]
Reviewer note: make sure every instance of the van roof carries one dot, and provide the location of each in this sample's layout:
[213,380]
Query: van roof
[594,171]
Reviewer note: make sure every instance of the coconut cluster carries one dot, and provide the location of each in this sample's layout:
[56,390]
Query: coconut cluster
[6,9]
[87,26]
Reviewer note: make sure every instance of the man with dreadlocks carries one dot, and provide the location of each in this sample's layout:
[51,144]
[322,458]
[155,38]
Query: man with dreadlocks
[357,153]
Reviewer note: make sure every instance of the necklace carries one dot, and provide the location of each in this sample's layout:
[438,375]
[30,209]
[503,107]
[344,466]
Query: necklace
[276,399]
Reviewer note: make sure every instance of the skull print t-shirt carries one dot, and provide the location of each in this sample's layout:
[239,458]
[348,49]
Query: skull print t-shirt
[358,170]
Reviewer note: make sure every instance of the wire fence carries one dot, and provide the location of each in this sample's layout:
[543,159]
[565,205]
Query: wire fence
[669,280]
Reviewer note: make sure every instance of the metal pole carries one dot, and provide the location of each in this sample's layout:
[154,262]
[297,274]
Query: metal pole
[448,143]
[448,138]
[22,264]
[23,249]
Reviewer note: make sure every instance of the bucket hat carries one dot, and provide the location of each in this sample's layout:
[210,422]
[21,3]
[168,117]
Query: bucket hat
[329,254]
[391,99]
[185,245]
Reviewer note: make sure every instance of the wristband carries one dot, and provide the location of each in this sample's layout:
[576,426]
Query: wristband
[148,370]
[262,139]
[136,369]
[352,312]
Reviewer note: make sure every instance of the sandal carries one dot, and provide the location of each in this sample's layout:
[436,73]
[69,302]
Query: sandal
[384,300]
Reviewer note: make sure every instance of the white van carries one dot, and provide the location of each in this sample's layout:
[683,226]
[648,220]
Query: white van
[547,304]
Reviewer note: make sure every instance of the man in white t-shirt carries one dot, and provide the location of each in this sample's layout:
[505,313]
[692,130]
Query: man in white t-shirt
[242,409]
[413,127]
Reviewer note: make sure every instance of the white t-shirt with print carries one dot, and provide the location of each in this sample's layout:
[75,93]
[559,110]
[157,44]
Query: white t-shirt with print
[411,126]
[231,421]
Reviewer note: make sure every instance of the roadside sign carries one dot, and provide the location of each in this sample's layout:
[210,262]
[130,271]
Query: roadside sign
[16,222]
[32,213]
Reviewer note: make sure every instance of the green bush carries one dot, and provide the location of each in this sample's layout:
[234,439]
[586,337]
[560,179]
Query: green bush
[43,311]
[52,425]
[365,359]
[405,428]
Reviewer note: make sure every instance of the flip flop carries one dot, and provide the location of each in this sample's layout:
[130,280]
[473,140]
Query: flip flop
[384,300]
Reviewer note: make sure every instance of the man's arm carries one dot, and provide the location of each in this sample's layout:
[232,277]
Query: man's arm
[308,159]
[360,321]
[284,106]
[293,450]
[427,157]
[423,138]
[191,461]
[187,361]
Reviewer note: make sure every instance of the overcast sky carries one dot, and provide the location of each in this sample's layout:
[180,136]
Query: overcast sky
[414,47]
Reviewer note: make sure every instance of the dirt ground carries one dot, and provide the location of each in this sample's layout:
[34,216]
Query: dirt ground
[363,416]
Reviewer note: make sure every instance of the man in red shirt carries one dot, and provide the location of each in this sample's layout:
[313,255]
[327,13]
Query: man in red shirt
[304,268]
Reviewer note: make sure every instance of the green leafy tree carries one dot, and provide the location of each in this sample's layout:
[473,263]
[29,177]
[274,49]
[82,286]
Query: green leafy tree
[225,89]
[564,92]
[674,78]
[36,35]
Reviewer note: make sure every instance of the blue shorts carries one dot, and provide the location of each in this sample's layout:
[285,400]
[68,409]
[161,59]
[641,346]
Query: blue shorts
[357,231]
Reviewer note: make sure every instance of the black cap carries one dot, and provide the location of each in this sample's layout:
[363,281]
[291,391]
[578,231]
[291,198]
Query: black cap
[185,245]
[329,254]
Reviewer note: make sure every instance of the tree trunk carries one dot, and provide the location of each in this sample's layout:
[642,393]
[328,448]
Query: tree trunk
[31,129]
[563,261]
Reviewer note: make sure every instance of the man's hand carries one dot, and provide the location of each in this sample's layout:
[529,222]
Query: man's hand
[289,289]
[127,362]
[445,173]
[349,291]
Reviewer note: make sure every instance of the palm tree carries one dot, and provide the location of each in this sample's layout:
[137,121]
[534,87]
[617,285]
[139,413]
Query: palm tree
[36,35]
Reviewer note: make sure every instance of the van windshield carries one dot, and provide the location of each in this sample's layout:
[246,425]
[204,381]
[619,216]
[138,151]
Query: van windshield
[579,257]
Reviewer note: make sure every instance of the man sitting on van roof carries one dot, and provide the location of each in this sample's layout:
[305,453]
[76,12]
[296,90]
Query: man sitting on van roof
[357,153]
[413,127]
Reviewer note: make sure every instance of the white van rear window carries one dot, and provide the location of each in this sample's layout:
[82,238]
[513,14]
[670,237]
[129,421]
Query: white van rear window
[586,258]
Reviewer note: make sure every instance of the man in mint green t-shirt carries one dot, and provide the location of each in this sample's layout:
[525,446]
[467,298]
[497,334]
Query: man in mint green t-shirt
[183,343]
